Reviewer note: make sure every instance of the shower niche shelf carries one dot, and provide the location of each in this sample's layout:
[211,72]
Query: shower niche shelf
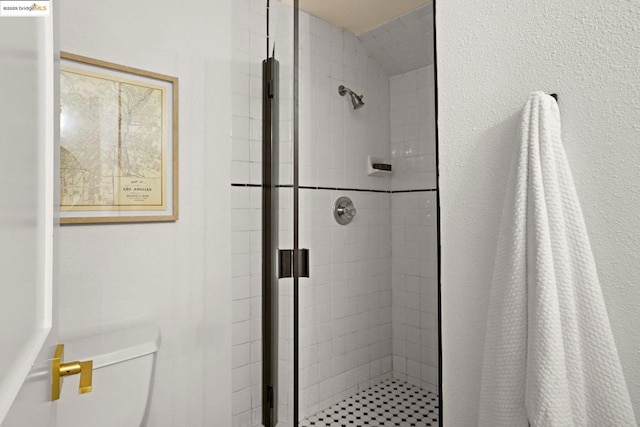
[376,166]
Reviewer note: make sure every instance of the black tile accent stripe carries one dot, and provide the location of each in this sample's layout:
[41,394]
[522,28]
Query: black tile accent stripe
[362,190]
[305,187]
[389,403]
[413,191]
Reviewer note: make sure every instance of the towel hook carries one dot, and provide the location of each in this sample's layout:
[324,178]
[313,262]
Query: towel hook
[554,95]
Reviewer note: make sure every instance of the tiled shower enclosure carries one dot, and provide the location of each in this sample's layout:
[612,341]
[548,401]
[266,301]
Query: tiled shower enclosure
[368,311]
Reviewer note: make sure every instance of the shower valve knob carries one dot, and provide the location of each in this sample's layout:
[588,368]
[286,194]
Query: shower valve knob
[347,211]
[344,211]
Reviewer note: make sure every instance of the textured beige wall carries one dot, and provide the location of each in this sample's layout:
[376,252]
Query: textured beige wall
[491,55]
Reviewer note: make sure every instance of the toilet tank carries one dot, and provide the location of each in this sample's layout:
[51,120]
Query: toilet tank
[123,368]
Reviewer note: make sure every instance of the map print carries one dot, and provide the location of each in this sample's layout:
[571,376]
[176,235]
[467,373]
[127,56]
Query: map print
[111,143]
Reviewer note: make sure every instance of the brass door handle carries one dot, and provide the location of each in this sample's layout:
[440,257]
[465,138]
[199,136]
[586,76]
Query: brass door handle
[59,370]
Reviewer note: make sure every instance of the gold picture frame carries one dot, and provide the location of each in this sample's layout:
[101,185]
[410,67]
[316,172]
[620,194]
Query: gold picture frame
[118,143]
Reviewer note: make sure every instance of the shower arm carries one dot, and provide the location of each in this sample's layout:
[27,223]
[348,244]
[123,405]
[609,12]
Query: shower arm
[344,90]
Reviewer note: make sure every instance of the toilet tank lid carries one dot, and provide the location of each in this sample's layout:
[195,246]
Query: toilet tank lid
[108,348]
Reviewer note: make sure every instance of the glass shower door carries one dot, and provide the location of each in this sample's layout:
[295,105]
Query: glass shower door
[368,328]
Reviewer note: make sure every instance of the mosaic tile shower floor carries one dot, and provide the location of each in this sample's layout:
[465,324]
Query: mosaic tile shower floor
[391,403]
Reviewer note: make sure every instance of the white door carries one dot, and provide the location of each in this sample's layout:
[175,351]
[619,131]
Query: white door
[28,175]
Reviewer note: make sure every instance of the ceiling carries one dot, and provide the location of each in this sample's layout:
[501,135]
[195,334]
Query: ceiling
[358,16]
[404,43]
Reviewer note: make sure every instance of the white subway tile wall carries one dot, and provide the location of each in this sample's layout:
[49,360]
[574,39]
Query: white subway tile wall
[335,139]
[249,47]
[345,320]
[414,288]
[413,140]
[353,316]
[246,305]
[345,313]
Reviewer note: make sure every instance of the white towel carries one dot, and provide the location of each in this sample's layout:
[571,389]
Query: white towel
[550,359]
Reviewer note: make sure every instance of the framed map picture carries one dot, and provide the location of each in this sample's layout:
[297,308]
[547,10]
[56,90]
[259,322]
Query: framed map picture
[118,143]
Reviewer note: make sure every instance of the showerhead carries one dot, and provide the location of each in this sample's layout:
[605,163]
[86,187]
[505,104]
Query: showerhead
[356,100]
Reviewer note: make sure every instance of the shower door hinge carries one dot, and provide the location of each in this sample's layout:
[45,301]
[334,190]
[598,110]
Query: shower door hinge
[270,402]
[285,263]
[270,89]
[270,396]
